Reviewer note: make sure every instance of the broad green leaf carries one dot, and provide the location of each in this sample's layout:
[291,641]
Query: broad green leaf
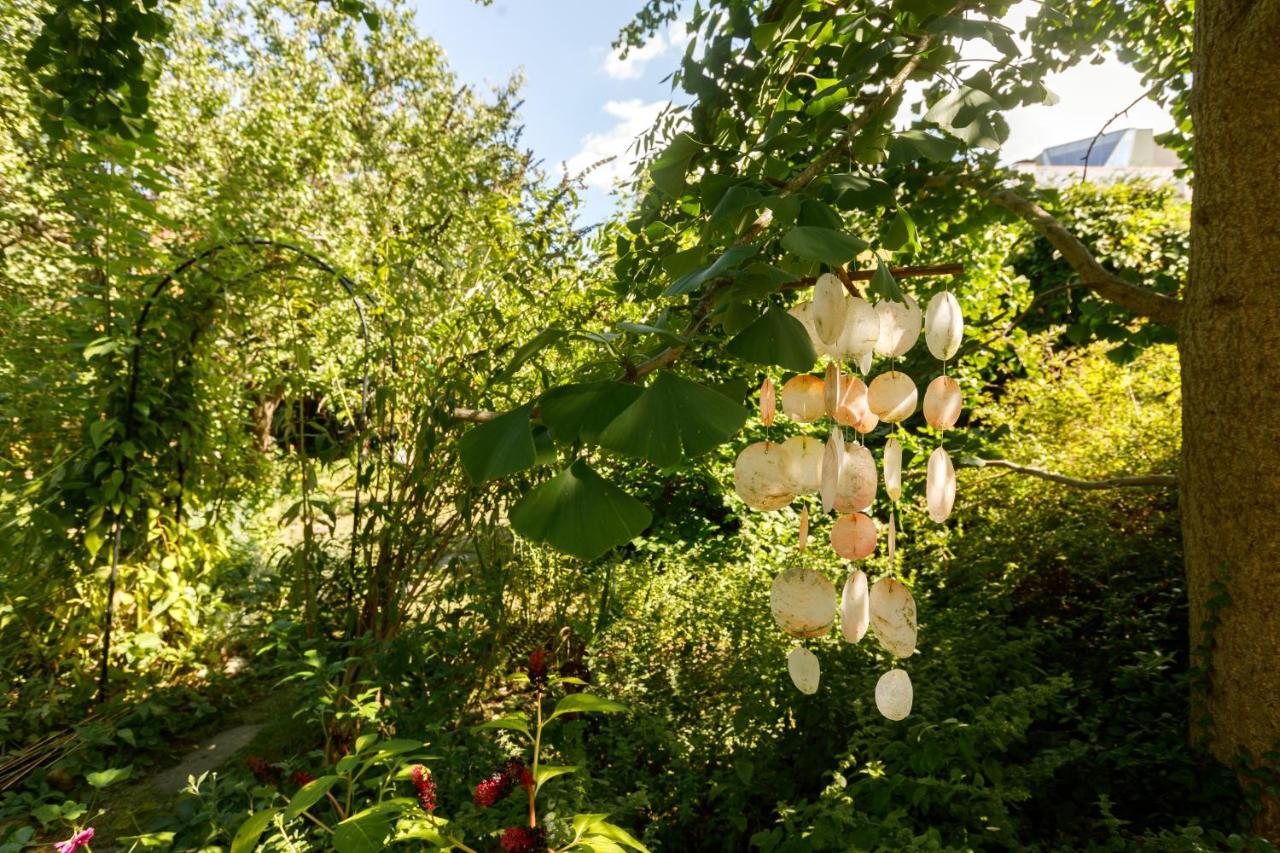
[541,341]
[584,822]
[500,447]
[579,512]
[363,742]
[579,412]
[601,844]
[814,243]
[618,834]
[246,838]
[398,746]
[884,286]
[775,338]
[585,703]
[994,33]
[365,832]
[516,723]
[309,794]
[969,114]
[727,262]
[735,203]
[928,146]
[547,772]
[103,778]
[901,232]
[672,421]
[671,166]
[830,93]
[424,829]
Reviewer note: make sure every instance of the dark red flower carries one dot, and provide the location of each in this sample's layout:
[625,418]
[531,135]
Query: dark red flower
[301,777]
[267,774]
[524,839]
[425,787]
[537,669]
[518,774]
[491,790]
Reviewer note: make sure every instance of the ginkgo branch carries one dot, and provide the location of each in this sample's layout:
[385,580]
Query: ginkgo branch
[1146,480]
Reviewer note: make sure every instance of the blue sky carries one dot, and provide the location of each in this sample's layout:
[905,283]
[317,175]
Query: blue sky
[583,103]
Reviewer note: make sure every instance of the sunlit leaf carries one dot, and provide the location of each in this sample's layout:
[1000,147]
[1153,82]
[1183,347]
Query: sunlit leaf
[815,243]
[673,420]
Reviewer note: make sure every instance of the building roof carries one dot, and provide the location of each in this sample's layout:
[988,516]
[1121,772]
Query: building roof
[1119,148]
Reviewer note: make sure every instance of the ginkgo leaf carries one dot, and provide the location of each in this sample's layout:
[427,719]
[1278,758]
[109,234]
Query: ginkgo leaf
[500,447]
[580,411]
[673,420]
[775,338]
[579,512]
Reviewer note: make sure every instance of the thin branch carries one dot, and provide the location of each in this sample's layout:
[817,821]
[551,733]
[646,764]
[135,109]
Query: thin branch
[1084,174]
[1161,480]
[1141,301]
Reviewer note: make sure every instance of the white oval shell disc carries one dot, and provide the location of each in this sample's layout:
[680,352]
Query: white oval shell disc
[803,602]
[802,464]
[893,469]
[940,485]
[855,608]
[892,396]
[803,398]
[899,326]
[943,326]
[861,331]
[858,480]
[894,694]
[759,476]
[805,672]
[832,461]
[803,311]
[893,616]
[828,308]
[768,402]
[942,403]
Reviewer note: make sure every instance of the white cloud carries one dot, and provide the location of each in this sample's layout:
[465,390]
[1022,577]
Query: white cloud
[632,67]
[632,117]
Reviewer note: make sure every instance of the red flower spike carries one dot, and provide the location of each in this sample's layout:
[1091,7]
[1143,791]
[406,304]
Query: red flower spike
[425,787]
[524,839]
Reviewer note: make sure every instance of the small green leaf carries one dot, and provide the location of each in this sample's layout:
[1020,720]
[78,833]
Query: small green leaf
[775,338]
[584,822]
[247,835]
[541,341]
[579,512]
[309,794]
[514,722]
[815,243]
[365,832]
[884,286]
[618,834]
[672,421]
[726,263]
[104,778]
[546,772]
[671,166]
[500,447]
[901,232]
[586,703]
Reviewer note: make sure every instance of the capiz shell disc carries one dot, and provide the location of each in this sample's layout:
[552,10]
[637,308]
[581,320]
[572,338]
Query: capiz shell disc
[894,694]
[858,480]
[802,463]
[899,326]
[893,469]
[759,476]
[893,616]
[891,396]
[803,398]
[943,326]
[832,461]
[942,403]
[805,672]
[940,485]
[855,607]
[803,602]
[853,536]
[828,308]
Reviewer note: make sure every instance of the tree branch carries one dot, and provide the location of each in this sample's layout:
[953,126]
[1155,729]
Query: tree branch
[1162,480]
[1139,300]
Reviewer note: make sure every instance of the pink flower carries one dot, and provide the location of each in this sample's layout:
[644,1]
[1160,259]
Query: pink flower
[75,842]
[425,787]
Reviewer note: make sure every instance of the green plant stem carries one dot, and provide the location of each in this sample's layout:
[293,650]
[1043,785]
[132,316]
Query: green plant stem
[459,845]
[317,821]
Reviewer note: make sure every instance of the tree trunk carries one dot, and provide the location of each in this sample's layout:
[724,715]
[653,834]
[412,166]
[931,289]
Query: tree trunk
[1229,338]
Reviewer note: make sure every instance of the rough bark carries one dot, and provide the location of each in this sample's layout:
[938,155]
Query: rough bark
[1229,337]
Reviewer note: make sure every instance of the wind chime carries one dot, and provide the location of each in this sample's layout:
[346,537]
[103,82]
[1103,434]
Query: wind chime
[769,476]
